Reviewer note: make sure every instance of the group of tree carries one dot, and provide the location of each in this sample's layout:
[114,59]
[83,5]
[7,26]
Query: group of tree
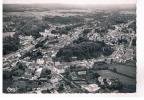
[84,50]
[10,44]
[34,55]
[133,26]
[33,28]
[14,23]
[18,70]
[65,29]
[63,20]
[25,25]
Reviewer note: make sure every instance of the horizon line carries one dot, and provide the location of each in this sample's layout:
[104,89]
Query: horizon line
[70,4]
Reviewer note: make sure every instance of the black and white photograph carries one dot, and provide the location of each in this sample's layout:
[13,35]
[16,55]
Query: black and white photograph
[69,46]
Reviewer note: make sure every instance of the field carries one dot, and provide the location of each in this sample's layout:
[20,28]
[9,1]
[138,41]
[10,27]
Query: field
[124,69]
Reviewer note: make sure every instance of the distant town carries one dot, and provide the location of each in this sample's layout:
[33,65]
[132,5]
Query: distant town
[65,49]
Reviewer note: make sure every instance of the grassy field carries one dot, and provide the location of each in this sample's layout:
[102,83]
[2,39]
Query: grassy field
[127,70]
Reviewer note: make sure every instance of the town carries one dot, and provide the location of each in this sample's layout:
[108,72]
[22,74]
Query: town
[69,51]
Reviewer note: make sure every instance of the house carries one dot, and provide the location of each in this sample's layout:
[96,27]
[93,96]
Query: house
[43,79]
[43,34]
[73,58]
[40,61]
[101,80]
[18,55]
[82,72]
[38,72]
[109,83]
[26,40]
[92,88]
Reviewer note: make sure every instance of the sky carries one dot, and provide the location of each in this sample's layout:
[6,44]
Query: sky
[70,1]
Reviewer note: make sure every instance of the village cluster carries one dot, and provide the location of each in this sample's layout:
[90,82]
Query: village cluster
[37,68]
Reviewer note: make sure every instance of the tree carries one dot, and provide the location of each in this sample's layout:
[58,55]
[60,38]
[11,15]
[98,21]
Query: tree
[61,88]
[107,51]
[19,69]
[10,44]
[115,70]
[7,74]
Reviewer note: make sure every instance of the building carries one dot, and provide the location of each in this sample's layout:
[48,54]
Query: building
[92,88]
